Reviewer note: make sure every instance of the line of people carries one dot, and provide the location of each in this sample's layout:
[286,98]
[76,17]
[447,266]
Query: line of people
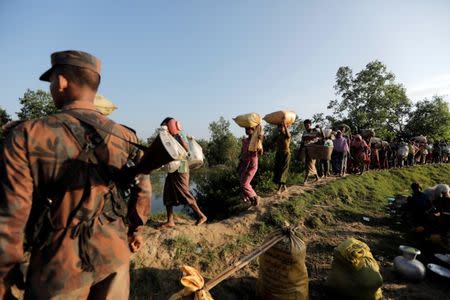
[327,152]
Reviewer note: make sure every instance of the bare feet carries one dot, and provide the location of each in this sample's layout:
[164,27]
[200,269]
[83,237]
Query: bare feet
[201,221]
[166,225]
[255,201]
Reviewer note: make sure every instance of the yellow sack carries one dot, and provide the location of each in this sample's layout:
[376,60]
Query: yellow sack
[193,283]
[282,270]
[103,105]
[277,117]
[248,120]
[355,274]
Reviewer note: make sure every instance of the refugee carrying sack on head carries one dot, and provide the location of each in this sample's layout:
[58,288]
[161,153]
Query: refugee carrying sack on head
[365,133]
[276,118]
[248,120]
[376,143]
[195,156]
[355,274]
[282,270]
[420,139]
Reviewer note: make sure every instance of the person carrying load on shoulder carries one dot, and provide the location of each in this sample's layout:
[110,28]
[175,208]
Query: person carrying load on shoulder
[309,136]
[282,157]
[248,162]
[176,186]
[60,184]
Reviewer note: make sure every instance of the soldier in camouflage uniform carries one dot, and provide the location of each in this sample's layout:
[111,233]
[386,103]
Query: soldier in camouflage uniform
[59,175]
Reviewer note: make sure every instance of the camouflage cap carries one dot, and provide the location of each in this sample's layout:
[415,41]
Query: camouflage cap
[74,58]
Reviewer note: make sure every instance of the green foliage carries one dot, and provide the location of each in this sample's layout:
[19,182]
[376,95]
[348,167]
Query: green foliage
[355,196]
[4,118]
[36,104]
[218,192]
[224,147]
[370,99]
[430,118]
[262,181]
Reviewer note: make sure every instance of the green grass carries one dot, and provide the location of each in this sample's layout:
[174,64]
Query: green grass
[354,194]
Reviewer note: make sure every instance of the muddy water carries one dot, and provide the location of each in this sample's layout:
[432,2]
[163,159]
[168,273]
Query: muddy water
[157,180]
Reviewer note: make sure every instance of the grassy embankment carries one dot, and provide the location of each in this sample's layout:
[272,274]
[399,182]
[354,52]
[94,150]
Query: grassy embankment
[319,209]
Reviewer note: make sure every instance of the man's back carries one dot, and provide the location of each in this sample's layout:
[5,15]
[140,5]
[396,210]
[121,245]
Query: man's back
[41,160]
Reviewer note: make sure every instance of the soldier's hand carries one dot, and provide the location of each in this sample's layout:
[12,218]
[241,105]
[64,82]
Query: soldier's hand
[5,292]
[135,242]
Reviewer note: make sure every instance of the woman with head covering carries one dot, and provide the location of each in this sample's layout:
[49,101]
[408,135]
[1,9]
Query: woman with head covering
[248,163]
[176,186]
[282,157]
[359,150]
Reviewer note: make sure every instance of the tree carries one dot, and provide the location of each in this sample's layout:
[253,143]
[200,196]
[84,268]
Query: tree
[430,118]
[370,99]
[4,117]
[36,104]
[224,146]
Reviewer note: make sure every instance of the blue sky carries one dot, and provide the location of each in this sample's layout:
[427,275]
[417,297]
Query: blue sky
[199,60]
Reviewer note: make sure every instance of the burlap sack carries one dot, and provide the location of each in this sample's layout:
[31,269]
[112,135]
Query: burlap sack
[282,270]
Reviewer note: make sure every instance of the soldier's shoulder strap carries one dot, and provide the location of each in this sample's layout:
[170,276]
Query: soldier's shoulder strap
[105,128]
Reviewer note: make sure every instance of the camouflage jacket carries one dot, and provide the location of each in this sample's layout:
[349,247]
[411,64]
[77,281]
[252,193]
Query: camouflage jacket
[35,156]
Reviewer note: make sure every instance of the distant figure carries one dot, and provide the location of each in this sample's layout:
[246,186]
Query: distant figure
[341,151]
[324,165]
[310,136]
[359,151]
[384,155]
[282,157]
[418,206]
[176,186]
[412,149]
[248,163]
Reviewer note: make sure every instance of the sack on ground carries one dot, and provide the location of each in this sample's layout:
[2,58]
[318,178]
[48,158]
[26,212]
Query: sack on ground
[276,118]
[282,270]
[355,274]
[196,156]
[248,120]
